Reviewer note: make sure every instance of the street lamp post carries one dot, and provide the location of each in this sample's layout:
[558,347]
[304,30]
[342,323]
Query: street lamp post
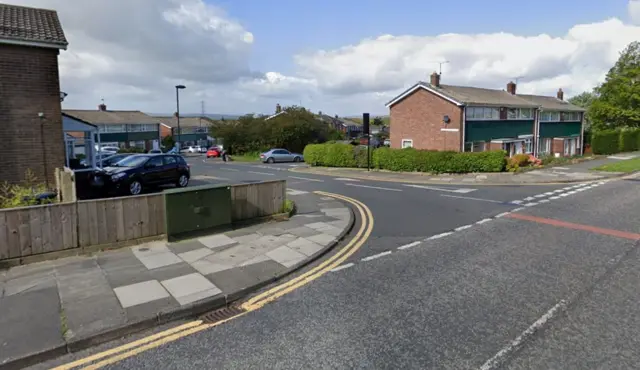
[178,88]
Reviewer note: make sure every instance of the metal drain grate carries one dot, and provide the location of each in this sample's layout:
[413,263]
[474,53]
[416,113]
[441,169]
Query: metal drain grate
[221,314]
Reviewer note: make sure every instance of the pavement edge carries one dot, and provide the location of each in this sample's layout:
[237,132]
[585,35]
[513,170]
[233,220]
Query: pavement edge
[164,317]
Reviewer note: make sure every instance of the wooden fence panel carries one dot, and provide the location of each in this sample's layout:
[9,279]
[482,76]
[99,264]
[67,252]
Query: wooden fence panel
[34,230]
[257,200]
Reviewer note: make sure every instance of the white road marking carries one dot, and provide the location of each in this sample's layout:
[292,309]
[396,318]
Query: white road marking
[539,196]
[544,201]
[558,191]
[410,245]
[554,198]
[564,195]
[531,204]
[305,178]
[502,214]
[497,359]
[373,187]
[229,169]
[376,256]
[518,209]
[296,192]
[262,173]
[572,192]
[438,236]
[621,157]
[471,198]
[206,177]
[346,179]
[516,202]
[567,188]
[548,193]
[561,168]
[463,227]
[459,191]
[483,221]
[529,198]
[345,266]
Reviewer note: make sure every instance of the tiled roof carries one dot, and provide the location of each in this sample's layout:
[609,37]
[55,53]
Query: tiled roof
[476,95]
[99,117]
[551,103]
[171,121]
[22,24]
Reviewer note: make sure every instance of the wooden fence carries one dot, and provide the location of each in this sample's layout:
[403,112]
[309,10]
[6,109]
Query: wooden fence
[57,227]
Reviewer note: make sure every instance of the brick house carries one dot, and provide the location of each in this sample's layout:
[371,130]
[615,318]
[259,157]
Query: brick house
[32,135]
[460,118]
[193,130]
[121,128]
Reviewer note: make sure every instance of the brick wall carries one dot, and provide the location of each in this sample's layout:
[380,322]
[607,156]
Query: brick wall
[29,84]
[164,131]
[418,117]
[557,146]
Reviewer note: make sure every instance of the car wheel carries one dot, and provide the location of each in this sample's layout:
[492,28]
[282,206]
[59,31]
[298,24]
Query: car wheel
[270,160]
[296,159]
[183,181]
[135,187]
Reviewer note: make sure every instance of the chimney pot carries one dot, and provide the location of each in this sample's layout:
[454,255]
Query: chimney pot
[102,107]
[435,79]
[560,94]
[511,88]
[278,108]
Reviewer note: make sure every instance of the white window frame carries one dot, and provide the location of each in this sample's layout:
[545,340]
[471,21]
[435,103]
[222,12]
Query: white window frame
[528,145]
[549,116]
[410,141]
[514,114]
[544,145]
[482,113]
[571,116]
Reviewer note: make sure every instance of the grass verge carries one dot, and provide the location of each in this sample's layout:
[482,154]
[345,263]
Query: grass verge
[626,166]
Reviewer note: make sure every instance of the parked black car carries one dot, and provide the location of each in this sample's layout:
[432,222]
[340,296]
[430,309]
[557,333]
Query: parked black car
[113,159]
[137,172]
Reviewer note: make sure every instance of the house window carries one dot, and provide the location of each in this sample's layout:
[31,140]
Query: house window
[550,116]
[407,143]
[544,146]
[481,113]
[478,146]
[512,113]
[525,113]
[528,145]
[571,116]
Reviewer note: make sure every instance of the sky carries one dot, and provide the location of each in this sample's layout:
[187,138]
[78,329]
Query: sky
[340,57]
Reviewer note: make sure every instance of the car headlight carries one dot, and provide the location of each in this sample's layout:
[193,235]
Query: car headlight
[118,176]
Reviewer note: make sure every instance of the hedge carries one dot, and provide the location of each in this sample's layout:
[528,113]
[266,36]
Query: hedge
[605,142]
[629,140]
[409,160]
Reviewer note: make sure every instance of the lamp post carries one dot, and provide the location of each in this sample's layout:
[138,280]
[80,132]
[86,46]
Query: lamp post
[178,88]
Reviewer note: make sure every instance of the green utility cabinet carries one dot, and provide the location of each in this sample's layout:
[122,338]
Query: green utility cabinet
[195,210]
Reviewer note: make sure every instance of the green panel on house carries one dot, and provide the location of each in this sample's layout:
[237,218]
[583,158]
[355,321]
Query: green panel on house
[191,137]
[128,136]
[498,129]
[196,209]
[560,129]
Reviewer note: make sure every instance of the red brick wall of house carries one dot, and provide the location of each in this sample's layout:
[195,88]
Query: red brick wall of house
[164,131]
[557,146]
[419,117]
[29,84]
[495,146]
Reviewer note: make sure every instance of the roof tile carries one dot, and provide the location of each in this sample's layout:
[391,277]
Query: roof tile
[18,23]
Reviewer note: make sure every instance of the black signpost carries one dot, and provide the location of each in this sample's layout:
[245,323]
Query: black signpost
[365,129]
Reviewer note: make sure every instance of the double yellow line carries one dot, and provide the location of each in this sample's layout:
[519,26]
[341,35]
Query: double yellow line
[120,353]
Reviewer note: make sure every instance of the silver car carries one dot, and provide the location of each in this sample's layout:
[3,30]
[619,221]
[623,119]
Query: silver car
[280,155]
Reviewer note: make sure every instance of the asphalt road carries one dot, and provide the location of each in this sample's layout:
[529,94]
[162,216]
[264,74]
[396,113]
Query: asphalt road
[552,285]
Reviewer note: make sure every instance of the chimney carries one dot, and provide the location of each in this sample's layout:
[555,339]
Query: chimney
[278,108]
[102,107]
[560,94]
[511,88]
[435,79]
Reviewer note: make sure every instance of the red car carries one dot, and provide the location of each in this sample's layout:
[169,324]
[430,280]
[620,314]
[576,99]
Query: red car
[214,152]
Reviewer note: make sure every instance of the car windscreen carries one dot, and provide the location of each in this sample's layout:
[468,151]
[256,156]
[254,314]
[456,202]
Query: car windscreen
[132,161]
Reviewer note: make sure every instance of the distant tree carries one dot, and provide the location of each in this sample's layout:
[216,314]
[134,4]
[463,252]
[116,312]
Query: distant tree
[378,121]
[584,100]
[618,99]
[168,142]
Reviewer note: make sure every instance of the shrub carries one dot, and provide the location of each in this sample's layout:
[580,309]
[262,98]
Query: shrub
[605,142]
[24,194]
[629,140]
[408,160]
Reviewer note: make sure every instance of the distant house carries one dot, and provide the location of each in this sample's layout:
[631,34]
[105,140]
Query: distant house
[193,130]
[122,128]
[350,128]
[461,118]
[32,135]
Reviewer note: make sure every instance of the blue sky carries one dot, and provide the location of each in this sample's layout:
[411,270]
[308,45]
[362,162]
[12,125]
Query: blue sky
[283,28]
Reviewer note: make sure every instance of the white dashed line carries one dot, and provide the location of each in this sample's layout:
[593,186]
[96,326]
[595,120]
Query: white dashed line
[529,198]
[471,198]
[539,196]
[572,192]
[497,359]
[438,236]
[548,193]
[518,209]
[229,169]
[554,198]
[373,187]
[305,178]
[346,179]
[462,227]
[516,202]
[564,195]
[483,221]
[544,201]
[345,266]
[410,245]
[262,173]
[296,192]
[502,214]
[376,256]
[531,204]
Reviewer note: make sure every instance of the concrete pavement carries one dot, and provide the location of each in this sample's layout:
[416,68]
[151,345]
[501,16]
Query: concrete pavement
[552,285]
[69,304]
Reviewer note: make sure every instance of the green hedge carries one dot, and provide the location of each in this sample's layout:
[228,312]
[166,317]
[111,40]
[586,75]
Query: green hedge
[605,142]
[629,140]
[409,160]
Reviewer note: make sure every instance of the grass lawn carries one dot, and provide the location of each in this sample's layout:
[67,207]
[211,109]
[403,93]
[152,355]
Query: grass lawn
[245,158]
[629,165]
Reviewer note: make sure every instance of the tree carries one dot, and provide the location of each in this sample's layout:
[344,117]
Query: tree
[378,121]
[168,142]
[584,100]
[617,104]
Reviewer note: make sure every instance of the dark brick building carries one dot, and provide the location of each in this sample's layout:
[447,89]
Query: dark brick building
[461,118]
[31,135]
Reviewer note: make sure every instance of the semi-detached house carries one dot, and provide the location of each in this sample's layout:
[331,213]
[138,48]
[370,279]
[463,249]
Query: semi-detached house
[470,119]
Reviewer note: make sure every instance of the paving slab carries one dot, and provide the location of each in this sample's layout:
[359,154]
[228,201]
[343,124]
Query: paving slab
[304,231]
[195,255]
[305,246]
[217,241]
[190,288]
[286,256]
[139,293]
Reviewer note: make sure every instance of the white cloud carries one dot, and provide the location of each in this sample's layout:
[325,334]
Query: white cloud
[132,53]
